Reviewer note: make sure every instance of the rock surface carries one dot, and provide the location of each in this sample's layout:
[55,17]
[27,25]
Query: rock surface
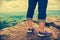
[19,32]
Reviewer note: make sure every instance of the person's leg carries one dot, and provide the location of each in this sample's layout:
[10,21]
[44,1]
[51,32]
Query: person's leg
[30,12]
[42,5]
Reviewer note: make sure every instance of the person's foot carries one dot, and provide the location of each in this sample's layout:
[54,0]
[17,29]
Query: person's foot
[44,34]
[30,31]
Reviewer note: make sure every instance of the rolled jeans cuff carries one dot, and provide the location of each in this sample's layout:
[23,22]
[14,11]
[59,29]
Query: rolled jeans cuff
[28,18]
[41,20]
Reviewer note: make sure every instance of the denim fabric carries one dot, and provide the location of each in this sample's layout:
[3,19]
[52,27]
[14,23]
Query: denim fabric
[42,5]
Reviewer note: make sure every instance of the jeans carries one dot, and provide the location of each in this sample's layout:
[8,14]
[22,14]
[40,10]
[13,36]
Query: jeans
[42,5]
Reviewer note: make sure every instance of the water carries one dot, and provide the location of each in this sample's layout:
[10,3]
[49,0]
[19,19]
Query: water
[53,13]
[49,13]
[13,18]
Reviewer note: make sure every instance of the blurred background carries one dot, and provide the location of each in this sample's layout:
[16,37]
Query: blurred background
[13,12]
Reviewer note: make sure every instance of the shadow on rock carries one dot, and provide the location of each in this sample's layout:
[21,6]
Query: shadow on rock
[4,37]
